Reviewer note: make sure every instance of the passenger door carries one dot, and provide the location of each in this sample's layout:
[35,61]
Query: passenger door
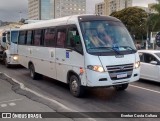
[49,41]
[142,74]
[74,49]
[60,54]
[69,56]
[148,70]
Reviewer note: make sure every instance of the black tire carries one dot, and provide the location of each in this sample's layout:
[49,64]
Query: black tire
[121,87]
[75,86]
[33,74]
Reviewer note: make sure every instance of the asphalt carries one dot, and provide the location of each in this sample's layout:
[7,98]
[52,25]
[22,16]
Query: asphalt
[141,96]
[15,99]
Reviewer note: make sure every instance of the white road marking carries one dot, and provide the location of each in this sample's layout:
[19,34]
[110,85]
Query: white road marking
[44,97]
[39,95]
[12,104]
[145,89]
[3,105]
[11,100]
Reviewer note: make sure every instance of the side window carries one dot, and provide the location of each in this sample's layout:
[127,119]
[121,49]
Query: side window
[37,37]
[61,37]
[49,37]
[141,57]
[148,58]
[73,38]
[29,37]
[22,38]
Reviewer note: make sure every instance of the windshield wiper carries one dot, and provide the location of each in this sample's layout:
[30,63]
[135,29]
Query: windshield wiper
[128,48]
[99,48]
[115,49]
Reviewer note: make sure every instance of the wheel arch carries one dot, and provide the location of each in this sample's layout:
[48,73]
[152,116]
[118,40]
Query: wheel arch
[71,72]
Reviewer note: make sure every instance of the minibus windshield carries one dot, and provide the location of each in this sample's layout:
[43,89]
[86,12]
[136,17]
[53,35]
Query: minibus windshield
[14,36]
[107,37]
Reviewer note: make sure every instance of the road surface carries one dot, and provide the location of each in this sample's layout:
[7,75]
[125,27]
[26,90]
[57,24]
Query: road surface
[140,96]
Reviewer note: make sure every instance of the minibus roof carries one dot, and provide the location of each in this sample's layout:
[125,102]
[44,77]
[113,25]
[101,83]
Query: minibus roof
[64,20]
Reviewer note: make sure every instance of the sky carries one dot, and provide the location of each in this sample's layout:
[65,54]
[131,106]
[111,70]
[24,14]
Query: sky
[13,10]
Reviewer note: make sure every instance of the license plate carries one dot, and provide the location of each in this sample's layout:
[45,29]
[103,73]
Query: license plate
[123,75]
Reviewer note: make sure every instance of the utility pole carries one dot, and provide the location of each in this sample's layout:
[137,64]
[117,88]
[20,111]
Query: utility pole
[20,15]
[148,31]
[147,39]
[60,8]
[54,9]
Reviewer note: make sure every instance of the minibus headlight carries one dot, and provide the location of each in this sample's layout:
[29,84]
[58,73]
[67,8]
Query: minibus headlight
[15,57]
[95,68]
[137,64]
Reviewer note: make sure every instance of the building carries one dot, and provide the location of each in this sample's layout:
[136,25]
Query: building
[39,9]
[151,10]
[33,9]
[48,9]
[110,6]
[69,7]
[100,8]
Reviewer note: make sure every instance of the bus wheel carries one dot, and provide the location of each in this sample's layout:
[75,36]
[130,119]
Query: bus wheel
[33,74]
[75,87]
[121,87]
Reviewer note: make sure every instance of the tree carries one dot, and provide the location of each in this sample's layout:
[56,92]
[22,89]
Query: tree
[134,19]
[154,19]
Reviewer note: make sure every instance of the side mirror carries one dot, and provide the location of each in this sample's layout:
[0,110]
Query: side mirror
[4,39]
[154,62]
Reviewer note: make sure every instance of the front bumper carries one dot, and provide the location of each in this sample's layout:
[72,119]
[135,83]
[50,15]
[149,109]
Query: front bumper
[12,61]
[97,79]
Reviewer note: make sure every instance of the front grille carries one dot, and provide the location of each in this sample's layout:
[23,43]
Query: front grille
[118,69]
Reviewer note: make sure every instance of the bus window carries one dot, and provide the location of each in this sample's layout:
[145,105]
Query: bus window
[49,37]
[61,37]
[73,35]
[29,37]
[14,36]
[37,37]
[22,38]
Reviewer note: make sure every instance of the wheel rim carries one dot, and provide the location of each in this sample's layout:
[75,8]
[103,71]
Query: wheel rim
[74,86]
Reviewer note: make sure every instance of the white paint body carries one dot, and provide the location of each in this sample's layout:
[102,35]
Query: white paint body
[150,71]
[52,62]
[10,48]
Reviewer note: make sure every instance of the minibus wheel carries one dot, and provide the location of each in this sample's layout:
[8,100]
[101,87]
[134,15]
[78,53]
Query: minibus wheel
[121,87]
[33,74]
[75,87]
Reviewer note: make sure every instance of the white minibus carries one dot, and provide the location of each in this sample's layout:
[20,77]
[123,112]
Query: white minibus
[8,46]
[81,50]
